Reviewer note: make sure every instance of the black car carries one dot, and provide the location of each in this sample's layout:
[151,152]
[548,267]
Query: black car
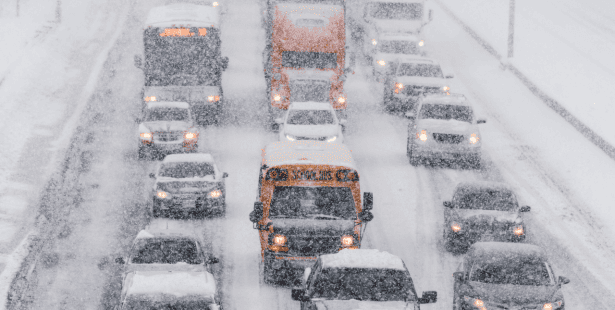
[482,211]
[499,275]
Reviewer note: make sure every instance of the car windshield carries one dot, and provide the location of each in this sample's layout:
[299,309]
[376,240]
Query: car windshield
[406,11]
[512,271]
[397,47]
[302,60]
[363,284]
[186,170]
[310,117]
[446,112]
[165,251]
[495,200]
[310,90]
[311,202]
[203,303]
[423,70]
[166,114]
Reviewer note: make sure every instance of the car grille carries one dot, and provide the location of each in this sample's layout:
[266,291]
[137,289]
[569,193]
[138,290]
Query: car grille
[312,138]
[312,246]
[168,136]
[447,138]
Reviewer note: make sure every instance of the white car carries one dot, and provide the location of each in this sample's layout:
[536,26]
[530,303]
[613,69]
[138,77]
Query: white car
[311,121]
[360,279]
[444,128]
[390,47]
[167,127]
[412,77]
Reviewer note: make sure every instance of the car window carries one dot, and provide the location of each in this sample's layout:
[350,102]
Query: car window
[166,114]
[310,117]
[512,271]
[397,47]
[494,200]
[186,170]
[363,284]
[446,112]
[310,202]
[423,70]
[165,251]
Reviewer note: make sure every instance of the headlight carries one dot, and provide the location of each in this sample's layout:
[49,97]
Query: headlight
[518,230]
[474,138]
[290,138]
[189,135]
[381,62]
[162,194]
[331,139]
[421,43]
[374,42]
[347,240]
[146,135]
[277,97]
[215,193]
[279,240]
[446,88]
[399,85]
[475,302]
[422,135]
[149,98]
[456,227]
[341,99]
[552,305]
[215,4]
[213,98]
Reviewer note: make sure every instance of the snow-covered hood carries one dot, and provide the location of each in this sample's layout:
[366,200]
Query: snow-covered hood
[361,305]
[310,74]
[187,94]
[311,130]
[488,216]
[514,294]
[399,26]
[181,266]
[446,126]
[421,81]
[166,126]
[308,226]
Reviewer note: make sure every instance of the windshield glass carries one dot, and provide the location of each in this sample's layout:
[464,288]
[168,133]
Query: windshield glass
[497,200]
[310,117]
[397,47]
[424,70]
[446,112]
[509,271]
[202,303]
[301,60]
[309,90]
[363,284]
[165,251]
[186,170]
[406,11]
[309,202]
[166,114]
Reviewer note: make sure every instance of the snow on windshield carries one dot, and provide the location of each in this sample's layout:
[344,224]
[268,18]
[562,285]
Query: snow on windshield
[186,170]
[310,117]
[446,112]
[515,272]
[362,284]
[166,114]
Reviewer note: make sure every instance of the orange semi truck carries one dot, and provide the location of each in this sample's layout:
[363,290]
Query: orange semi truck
[304,59]
[308,203]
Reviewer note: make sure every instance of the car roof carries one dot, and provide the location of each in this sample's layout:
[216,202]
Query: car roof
[176,283]
[310,105]
[168,104]
[451,99]
[362,258]
[398,1]
[307,152]
[502,251]
[483,185]
[194,157]
[183,14]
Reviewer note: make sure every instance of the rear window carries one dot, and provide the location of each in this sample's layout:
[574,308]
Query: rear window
[313,202]
[317,60]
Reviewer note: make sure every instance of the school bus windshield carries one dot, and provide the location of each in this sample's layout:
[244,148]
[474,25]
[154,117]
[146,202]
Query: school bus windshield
[313,202]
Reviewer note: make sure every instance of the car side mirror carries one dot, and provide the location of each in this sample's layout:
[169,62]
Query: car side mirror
[299,295]
[409,115]
[224,175]
[368,201]
[138,61]
[448,204]
[152,175]
[366,216]
[428,297]
[481,121]
[449,76]
[120,260]
[563,280]
[459,276]
[525,209]
[212,260]
[306,274]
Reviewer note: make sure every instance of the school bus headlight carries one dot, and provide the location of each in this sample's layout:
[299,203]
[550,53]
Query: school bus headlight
[552,305]
[347,241]
[290,138]
[456,227]
[189,135]
[518,230]
[150,98]
[374,42]
[381,62]
[146,135]
[399,85]
[422,135]
[474,138]
[331,139]
[215,193]
[341,99]
[277,97]
[279,240]
[162,194]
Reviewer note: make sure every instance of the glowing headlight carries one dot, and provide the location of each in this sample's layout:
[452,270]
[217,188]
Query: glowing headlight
[399,85]
[347,240]
[277,97]
[474,138]
[279,240]
[330,139]
[215,4]
[374,42]
[150,98]
[291,138]
[446,88]
[189,135]
[215,193]
[475,302]
[213,98]
[421,43]
[422,135]
[381,62]
[518,230]
[162,194]
[456,227]
[341,99]
[552,305]
[146,135]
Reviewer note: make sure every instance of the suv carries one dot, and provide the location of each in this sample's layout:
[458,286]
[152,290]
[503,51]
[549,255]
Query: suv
[482,211]
[359,279]
[311,121]
[189,183]
[167,127]
[444,128]
[498,275]
[390,47]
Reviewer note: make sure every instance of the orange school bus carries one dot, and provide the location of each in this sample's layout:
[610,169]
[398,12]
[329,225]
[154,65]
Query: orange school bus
[309,203]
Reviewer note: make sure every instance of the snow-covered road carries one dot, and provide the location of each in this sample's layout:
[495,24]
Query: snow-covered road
[555,170]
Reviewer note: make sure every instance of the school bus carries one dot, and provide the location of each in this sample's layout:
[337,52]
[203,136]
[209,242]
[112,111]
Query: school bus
[308,203]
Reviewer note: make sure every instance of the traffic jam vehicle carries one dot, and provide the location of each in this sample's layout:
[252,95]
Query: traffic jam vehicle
[410,78]
[390,47]
[499,275]
[182,59]
[166,127]
[483,211]
[189,184]
[311,121]
[444,128]
[360,279]
[308,203]
[304,58]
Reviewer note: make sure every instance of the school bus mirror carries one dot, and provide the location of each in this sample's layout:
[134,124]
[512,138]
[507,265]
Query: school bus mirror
[366,216]
[254,218]
[275,127]
[224,63]
[138,61]
[368,201]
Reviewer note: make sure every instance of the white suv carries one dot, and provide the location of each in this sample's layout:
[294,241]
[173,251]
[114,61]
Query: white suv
[444,128]
[311,121]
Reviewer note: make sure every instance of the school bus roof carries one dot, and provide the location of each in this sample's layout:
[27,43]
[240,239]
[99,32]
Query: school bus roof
[183,14]
[307,152]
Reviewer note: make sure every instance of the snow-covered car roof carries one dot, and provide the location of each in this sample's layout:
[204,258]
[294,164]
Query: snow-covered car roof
[194,157]
[362,258]
[480,185]
[310,105]
[495,251]
[168,104]
[399,36]
[307,152]
[452,99]
[179,284]
[183,14]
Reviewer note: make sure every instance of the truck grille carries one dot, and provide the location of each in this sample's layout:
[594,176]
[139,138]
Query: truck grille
[312,246]
[168,136]
[447,138]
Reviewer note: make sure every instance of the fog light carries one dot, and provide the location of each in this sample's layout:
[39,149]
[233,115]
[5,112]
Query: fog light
[162,194]
[347,240]
[518,230]
[381,62]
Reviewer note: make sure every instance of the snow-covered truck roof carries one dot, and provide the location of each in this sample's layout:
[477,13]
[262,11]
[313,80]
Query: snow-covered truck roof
[168,104]
[183,15]
[177,284]
[362,258]
[196,157]
[307,152]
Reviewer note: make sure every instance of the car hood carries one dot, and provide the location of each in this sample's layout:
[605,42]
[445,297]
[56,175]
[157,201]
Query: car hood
[485,216]
[187,94]
[166,126]
[398,26]
[165,267]
[421,81]
[513,294]
[308,226]
[309,74]
[445,126]
[311,130]
[361,305]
